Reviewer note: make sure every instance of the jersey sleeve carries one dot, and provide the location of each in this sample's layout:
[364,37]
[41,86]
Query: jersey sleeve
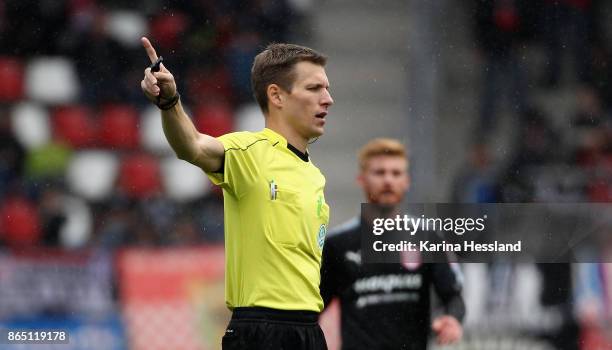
[448,284]
[240,163]
[330,264]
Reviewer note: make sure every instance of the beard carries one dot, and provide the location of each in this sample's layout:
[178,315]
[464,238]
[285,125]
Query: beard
[386,197]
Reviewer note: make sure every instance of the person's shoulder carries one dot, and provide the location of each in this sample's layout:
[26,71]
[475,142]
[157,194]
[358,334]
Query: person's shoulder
[343,238]
[344,229]
[242,140]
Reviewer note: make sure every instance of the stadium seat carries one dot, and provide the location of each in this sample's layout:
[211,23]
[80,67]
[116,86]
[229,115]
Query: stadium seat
[127,27]
[139,176]
[118,127]
[47,162]
[19,222]
[76,231]
[11,79]
[167,29]
[92,174]
[31,125]
[595,337]
[73,125]
[249,118]
[599,191]
[183,181]
[214,119]
[151,132]
[52,80]
[209,85]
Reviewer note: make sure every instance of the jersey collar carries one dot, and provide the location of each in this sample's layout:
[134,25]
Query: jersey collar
[274,137]
[278,139]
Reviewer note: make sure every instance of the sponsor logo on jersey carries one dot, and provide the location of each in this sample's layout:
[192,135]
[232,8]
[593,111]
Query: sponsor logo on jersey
[353,256]
[388,283]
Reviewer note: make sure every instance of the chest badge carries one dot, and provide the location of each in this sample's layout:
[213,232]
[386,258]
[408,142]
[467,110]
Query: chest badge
[321,235]
[273,190]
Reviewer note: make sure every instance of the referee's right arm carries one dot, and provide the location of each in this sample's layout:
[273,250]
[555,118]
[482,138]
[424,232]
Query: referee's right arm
[199,149]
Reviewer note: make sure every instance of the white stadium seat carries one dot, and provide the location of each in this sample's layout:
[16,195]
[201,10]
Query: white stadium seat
[183,181]
[31,125]
[92,174]
[52,80]
[151,133]
[127,27]
[249,118]
[76,231]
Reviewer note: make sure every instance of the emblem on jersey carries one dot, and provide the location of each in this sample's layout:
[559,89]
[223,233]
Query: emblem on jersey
[321,235]
[273,190]
[410,260]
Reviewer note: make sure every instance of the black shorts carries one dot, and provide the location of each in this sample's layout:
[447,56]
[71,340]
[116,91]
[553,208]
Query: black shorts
[256,328]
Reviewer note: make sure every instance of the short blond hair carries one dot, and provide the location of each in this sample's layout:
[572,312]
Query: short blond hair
[381,147]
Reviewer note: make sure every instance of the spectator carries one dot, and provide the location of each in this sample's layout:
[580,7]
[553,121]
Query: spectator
[52,215]
[12,155]
[501,29]
[568,29]
[476,180]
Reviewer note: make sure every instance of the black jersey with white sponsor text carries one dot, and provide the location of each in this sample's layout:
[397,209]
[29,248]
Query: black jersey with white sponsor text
[384,306]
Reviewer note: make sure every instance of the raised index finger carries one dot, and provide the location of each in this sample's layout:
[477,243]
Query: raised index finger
[149,49]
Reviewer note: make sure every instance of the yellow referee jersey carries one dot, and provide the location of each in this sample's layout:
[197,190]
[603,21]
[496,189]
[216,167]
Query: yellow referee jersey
[275,223]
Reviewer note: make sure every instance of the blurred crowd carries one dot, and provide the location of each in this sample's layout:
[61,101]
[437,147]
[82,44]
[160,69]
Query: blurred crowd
[530,52]
[82,156]
[549,60]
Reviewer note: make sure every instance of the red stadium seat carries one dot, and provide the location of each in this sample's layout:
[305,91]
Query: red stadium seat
[11,79]
[74,126]
[599,191]
[19,222]
[208,85]
[167,28]
[595,337]
[214,119]
[139,176]
[118,127]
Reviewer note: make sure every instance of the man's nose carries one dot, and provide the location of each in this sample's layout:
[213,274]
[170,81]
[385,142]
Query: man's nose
[327,99]
[388,178]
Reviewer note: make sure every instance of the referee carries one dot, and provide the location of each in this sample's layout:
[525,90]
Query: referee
[276,216]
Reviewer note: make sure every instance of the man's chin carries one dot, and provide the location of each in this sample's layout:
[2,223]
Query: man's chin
[388,199]
[317,132]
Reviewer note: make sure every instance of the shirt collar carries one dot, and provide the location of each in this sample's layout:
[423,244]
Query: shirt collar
[274,137]
[278,139]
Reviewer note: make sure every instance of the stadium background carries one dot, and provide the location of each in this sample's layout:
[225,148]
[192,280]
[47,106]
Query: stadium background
[104,233]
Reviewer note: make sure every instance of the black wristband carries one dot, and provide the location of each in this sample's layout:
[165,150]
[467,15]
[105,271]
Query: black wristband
[171,102]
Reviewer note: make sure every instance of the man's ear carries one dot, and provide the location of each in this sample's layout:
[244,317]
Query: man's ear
[275,95]
[359,179]
[408,182]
